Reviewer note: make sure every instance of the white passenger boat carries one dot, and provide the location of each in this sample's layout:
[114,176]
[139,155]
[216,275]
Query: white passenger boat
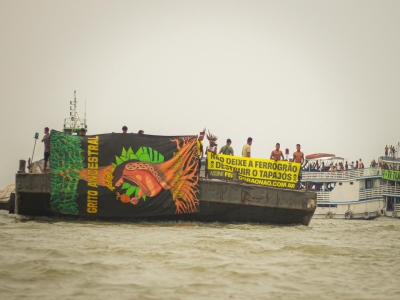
[390,166]
[351,194]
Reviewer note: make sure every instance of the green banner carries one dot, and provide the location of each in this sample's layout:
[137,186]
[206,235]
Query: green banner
[391,175]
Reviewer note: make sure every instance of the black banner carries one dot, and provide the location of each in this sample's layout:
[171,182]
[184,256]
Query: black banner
[123,175]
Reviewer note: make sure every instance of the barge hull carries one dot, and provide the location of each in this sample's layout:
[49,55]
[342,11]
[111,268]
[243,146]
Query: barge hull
[220,201]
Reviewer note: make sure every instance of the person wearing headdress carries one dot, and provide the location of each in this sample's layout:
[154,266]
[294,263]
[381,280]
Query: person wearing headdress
[211,148]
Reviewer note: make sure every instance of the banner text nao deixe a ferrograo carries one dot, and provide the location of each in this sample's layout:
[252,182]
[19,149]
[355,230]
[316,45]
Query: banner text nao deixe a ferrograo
[254,170]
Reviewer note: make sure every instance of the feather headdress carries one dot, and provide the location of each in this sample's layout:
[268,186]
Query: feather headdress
[211,137]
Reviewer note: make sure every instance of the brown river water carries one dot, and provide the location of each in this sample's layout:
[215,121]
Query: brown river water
[330,259]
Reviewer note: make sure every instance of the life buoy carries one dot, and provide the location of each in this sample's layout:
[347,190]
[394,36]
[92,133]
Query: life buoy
[348,214]
[366,215]
[394,214]
[329,215]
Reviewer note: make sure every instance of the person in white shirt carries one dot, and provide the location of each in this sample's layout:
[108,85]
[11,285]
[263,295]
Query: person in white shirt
[211,148]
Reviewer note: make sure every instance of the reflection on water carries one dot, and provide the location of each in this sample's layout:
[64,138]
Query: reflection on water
[47,259]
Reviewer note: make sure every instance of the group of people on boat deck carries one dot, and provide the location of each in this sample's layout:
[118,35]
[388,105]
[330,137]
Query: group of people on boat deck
[390,166]
[227,149]
[391,150]
[337,166]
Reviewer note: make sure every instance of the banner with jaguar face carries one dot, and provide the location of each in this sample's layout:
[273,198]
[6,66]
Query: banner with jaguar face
[123,175]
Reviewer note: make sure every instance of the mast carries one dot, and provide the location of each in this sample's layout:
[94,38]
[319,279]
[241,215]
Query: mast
[73,124]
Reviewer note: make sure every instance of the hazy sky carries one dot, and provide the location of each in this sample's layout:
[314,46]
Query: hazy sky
[321,73]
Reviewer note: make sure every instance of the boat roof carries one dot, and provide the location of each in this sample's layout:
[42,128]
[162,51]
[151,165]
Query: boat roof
[327,158]
[319,155]
[389,159]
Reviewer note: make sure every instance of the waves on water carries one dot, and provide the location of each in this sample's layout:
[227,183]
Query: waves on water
[48,259]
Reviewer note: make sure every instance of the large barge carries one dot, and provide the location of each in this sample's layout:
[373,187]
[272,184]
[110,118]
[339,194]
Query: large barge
[147,177]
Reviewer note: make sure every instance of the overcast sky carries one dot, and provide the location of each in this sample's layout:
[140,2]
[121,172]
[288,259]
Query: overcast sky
[321,73]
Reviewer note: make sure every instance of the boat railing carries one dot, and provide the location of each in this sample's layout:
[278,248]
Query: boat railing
[323,197]
[370,193]
[390,190]
[340,175]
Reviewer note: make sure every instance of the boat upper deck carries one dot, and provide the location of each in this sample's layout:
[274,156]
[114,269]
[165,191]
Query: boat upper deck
[389,159]
[329,176]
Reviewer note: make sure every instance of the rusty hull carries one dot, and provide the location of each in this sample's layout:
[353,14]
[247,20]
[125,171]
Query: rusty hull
[220,201]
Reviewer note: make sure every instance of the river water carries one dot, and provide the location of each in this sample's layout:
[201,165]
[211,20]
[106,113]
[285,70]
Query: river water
[342,259]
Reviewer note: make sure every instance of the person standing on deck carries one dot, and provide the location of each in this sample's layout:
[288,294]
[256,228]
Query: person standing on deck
[46,141]
[298,157]
[200,153]
[246,151]
[227,149]
[277,154]
[211,148]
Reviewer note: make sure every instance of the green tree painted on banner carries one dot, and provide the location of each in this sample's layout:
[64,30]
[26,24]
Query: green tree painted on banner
[144,154]
[65,160]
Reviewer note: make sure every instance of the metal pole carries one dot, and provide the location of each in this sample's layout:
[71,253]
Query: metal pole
[33,150]
[34,146]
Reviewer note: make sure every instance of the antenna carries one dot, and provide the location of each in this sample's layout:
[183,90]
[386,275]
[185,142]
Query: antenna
[73,124]
[84,120]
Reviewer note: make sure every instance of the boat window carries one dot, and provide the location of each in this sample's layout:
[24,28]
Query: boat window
[368,184]
[340,183]
[351,182]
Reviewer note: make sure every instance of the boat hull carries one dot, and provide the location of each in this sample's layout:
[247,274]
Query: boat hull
[220,201]
[391,214]
[363,210]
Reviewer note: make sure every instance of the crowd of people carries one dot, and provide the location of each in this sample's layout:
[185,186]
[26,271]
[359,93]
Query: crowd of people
[337,166]
[390,167]
[227,149]
[390,151]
